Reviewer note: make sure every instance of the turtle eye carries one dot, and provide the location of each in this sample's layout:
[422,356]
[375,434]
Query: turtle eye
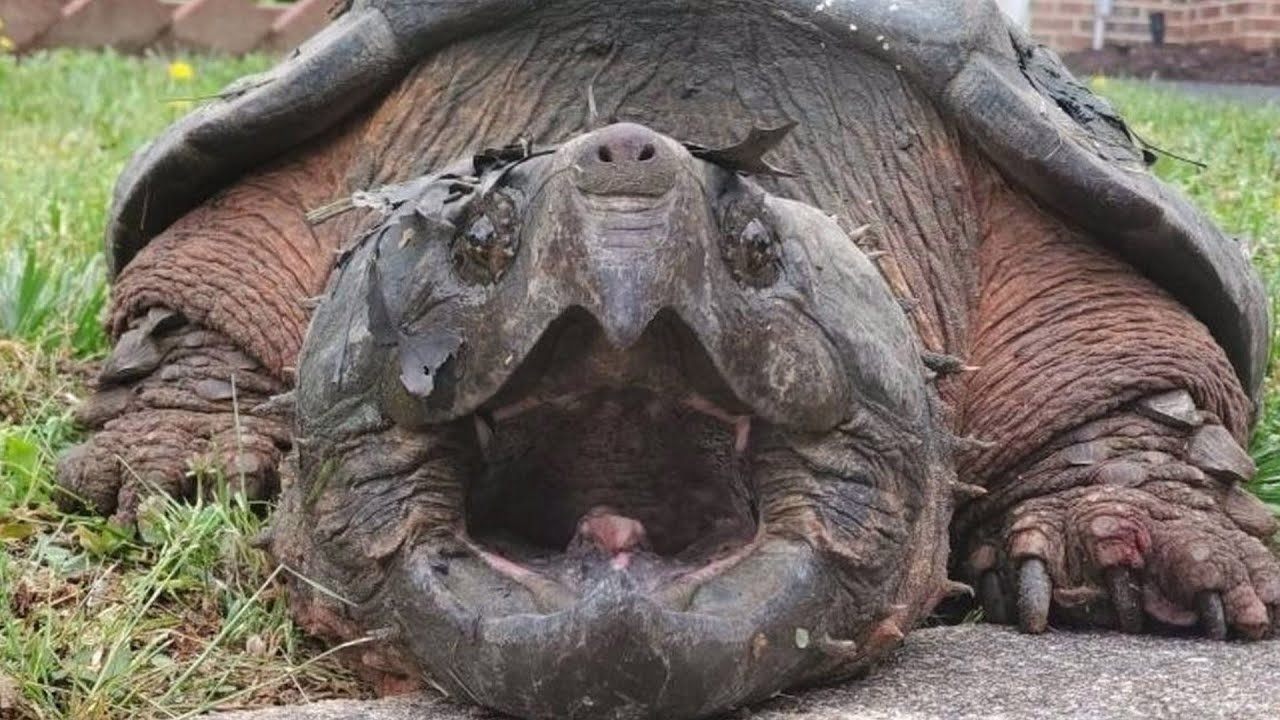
[750,246]
[488,242]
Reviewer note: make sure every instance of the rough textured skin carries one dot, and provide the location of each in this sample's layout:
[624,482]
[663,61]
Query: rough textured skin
[843,458]
[971,289]
[174,422]
[1066,332]
[233,276]
[910,189]
[1069,343]
[1014,99]
[244,262]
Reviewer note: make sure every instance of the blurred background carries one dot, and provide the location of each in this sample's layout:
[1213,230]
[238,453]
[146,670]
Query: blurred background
[1234,41]
[1207,40]
[226,26]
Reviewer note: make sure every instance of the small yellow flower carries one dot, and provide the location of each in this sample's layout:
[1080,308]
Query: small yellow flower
[6,44]
[181,71]
[1098,82]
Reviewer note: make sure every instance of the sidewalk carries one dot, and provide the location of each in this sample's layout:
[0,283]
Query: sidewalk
[981,671]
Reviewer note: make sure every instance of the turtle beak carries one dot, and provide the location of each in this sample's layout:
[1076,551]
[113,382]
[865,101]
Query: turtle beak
[628,303]
[625,176]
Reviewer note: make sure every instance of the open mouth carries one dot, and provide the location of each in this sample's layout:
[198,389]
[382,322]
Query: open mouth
[598,460]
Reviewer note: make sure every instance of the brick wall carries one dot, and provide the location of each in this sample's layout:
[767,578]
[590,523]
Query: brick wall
[1254,25]
[237,26]
[227,26]
[1068,24]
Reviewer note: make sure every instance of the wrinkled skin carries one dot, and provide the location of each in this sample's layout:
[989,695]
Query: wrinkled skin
[638,453]
[623,428]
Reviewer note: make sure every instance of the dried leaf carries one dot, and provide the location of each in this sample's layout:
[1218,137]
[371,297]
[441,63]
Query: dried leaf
[381,325]
[16,530]
[747,157]
[421,358]
[494,158]
[12,703]
[101,542]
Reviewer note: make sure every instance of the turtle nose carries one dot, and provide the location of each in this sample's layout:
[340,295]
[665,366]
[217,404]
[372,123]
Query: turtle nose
[626,159]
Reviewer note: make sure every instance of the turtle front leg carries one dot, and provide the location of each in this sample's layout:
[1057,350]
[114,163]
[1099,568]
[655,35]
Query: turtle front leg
[1131,521]
[208,318]
[177,407]
[1114,463]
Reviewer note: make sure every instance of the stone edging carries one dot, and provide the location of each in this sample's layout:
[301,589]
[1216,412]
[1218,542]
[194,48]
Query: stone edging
[225,26]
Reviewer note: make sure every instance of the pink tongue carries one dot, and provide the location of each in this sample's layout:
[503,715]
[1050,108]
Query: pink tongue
[612,533]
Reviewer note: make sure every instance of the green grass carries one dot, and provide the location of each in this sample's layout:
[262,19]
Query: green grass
[183,615]
[1240,189]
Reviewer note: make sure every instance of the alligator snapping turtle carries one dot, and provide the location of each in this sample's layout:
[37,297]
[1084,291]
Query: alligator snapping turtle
[667,405]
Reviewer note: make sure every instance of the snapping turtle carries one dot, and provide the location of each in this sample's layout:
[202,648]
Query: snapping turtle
[643,359]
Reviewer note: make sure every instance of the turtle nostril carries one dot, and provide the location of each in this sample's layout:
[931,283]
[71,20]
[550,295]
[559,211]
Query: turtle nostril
[624,159]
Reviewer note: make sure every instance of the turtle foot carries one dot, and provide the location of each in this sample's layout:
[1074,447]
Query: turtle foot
[1149,543]
[177,410]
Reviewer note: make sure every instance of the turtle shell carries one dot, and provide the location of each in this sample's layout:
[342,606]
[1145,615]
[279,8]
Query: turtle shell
[1012,98]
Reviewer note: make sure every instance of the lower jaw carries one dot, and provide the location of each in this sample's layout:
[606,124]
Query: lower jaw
[619,648]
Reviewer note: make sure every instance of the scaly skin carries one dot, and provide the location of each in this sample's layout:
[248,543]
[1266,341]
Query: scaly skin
[208,321]
[192,412]
[1116,466]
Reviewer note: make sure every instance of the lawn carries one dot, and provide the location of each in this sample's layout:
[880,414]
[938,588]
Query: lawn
[184,615]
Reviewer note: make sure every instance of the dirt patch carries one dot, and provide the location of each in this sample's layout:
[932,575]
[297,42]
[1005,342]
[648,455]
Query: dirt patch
[1203,63]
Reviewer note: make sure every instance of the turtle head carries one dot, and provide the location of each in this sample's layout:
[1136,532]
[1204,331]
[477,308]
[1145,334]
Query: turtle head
[610,430]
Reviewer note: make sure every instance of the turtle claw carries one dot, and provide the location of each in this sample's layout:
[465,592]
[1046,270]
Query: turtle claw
[1126,599]
[1213,618]
[168,425]
[994,606]
[1035,592]
[1133,559]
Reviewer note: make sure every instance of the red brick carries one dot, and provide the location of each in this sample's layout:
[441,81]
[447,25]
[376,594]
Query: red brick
[25,20]
[127,25]
[1221,28]
[1260,26]
[1227,21]
[1051,25]
[229,26]
[302,20]
[1261,42]
[1069,43]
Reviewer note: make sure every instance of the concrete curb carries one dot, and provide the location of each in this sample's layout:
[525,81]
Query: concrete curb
[979,671]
